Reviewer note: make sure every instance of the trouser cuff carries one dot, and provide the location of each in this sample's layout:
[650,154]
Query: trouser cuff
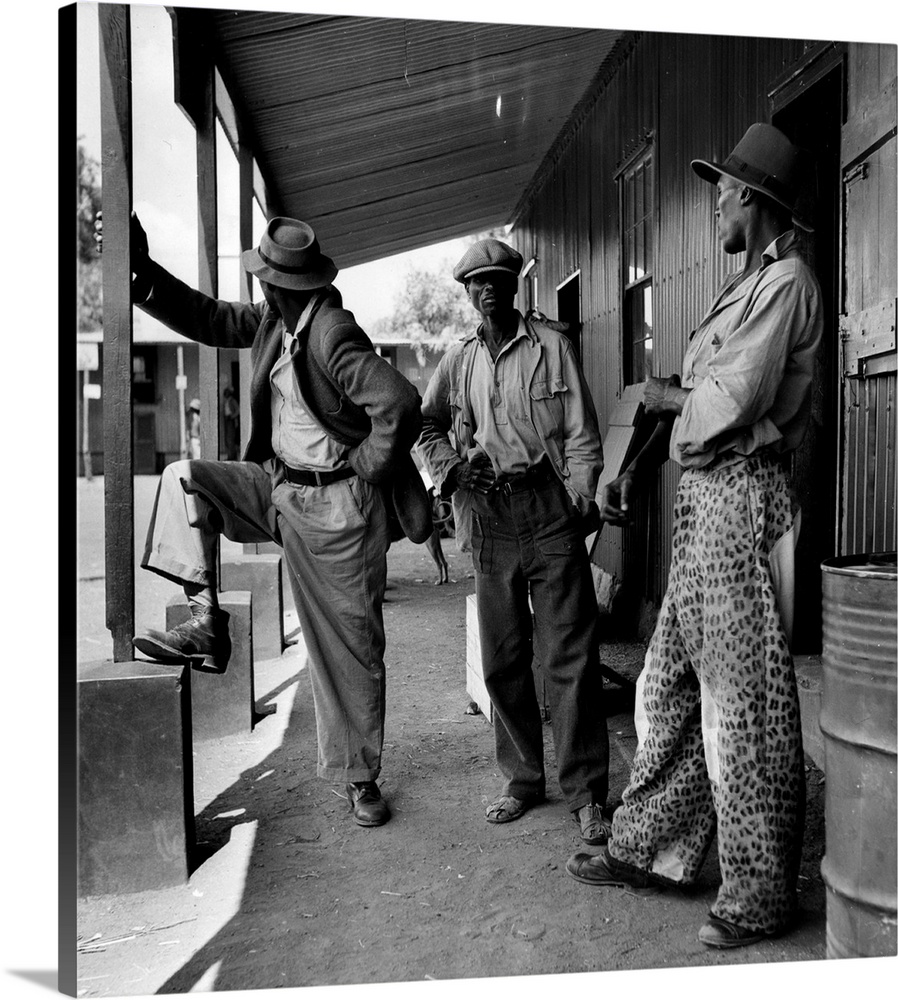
[350,774]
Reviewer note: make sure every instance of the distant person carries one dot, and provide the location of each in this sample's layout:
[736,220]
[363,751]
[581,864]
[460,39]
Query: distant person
[717,709]
[327,473]
[510,433]
[230,411]
[193,429]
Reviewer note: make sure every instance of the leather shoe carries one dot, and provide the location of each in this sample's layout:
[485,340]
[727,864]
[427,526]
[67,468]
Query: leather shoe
[368,808]
[203,638]
[603,869]
[720,933]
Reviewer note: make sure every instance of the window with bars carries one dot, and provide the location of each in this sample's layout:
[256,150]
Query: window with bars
[637,219]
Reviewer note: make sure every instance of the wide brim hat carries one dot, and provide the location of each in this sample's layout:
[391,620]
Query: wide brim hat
[194,404]
[288,256]
[488,255]
[765,160]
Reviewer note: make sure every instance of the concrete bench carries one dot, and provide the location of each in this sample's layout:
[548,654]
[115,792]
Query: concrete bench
[135,777]
[223,703]
[262,576]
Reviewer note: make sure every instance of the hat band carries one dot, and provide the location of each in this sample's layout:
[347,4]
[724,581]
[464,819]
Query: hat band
[776,187]
[285,268]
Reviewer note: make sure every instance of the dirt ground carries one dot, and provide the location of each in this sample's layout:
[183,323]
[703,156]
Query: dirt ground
[287,891]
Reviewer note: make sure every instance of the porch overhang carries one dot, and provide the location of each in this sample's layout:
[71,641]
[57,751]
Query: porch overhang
[388,134]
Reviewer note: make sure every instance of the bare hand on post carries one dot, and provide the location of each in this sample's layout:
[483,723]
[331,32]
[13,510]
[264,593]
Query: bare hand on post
[140,247]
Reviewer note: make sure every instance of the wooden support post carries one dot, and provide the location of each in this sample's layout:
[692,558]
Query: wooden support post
[85,428]
[207,248]
[115,111]
[182,404]
[246,166]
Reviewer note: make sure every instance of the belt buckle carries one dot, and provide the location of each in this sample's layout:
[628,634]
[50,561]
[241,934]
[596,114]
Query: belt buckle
[317,476]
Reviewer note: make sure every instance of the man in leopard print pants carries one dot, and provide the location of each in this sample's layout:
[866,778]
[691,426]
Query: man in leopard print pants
[717,706]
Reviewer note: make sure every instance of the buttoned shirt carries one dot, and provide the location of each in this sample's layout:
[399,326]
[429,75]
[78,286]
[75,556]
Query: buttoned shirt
[500,402]
[750,362]
[297,438]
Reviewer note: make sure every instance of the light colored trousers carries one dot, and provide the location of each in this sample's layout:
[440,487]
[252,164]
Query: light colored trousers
[335,540]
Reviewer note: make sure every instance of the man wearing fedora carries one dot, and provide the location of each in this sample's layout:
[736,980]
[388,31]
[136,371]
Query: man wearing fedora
[717,710]
[327,473]
[510,433]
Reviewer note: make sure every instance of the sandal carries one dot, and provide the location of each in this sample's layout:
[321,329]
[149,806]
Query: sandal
[507,808]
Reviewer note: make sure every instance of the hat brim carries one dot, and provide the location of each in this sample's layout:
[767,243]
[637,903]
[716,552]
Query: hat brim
[323,273]
[490,267]
[709,171]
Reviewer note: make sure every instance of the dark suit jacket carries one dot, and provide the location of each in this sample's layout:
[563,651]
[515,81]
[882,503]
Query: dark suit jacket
[360,399]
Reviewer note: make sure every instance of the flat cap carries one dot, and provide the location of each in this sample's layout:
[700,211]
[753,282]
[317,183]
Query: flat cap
[488,255]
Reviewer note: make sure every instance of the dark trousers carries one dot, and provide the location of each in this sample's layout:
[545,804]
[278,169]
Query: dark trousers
[531,543]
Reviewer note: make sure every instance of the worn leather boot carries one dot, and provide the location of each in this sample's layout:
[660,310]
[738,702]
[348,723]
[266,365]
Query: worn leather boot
[203,640]
[368,808]
[720,933]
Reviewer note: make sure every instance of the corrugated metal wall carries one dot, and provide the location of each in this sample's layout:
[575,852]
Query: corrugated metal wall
[690,96]
[868,514]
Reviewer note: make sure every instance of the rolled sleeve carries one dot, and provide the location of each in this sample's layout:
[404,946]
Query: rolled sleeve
[582,438]
[435,447]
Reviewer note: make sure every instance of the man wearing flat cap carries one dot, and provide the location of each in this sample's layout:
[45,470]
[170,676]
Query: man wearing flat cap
[327,474]
[717,706]
[510,434]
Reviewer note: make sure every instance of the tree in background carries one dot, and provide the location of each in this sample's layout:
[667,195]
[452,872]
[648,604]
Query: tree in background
[90,274]
[431,308]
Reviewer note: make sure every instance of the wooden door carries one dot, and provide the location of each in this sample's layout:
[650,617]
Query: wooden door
[810,110]
[867,323]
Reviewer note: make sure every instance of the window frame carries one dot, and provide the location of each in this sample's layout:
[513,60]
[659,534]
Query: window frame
[641,288]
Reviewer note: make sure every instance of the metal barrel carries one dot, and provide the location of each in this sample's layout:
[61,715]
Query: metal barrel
[858,722]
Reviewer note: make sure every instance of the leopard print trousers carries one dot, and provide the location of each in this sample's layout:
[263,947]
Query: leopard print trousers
[721,741]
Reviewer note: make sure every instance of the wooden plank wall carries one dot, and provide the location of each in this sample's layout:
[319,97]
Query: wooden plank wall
[695,95]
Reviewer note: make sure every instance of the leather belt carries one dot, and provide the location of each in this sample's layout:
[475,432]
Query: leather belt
[539,475]
[307,477]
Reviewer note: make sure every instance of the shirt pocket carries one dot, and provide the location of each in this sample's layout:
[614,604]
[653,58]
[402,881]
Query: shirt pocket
[457,414]
[547,398]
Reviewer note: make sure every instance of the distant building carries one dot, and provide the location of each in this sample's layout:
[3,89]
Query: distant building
[158,403]
[156,423]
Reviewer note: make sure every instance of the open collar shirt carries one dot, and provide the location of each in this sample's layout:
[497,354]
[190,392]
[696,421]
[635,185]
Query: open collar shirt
[297,438]
[500,403]
[750,362]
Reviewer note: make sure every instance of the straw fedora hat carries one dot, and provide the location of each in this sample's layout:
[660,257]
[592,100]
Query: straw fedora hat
[288,256]
[764,159]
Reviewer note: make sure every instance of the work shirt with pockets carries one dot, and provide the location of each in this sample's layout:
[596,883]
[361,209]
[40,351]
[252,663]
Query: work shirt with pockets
[750,362]
[555,402]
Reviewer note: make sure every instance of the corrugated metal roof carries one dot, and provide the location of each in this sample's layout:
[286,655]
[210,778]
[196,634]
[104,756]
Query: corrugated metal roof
[386,134]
